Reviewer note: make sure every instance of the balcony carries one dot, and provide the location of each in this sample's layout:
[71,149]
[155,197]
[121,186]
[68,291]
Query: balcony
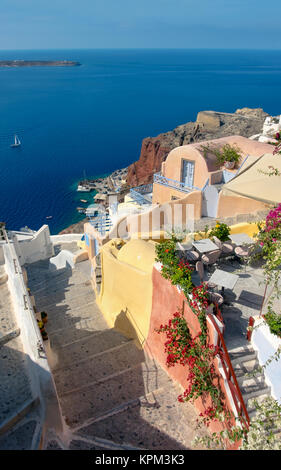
[142,194]
[174,184]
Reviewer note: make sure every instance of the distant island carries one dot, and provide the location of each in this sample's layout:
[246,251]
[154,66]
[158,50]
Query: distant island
[33,63]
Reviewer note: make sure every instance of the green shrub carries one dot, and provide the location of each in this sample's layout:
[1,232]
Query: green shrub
[174,269]
[274,322]
[221,231]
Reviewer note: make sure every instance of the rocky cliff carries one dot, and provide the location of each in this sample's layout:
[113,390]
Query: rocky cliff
[208,125]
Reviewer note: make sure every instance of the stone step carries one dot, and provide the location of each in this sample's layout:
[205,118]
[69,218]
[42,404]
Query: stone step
[105,395]
[243,368]
[156,421]
[53,283]
[51,304]
[255,391]
[8,336]
[14,381]
[250,405]
[89,347]
[26,434]
[242,354]
[38,276]
[98,367]
[247,384]
[68,318]
[49,298]
[90,443]
[82,330]
[18,414]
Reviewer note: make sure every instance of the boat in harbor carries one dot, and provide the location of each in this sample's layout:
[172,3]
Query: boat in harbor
[84,187]
[81,210]
[83,200]
[17,142]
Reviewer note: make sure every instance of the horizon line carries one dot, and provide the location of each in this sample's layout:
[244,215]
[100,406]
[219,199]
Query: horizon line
[142,48]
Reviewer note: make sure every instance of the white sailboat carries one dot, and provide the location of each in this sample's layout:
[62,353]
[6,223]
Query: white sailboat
[17,142]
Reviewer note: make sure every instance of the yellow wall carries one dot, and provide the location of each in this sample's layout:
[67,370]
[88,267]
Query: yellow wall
[125,297]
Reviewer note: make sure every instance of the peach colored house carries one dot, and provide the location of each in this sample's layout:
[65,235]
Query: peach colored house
[194,178]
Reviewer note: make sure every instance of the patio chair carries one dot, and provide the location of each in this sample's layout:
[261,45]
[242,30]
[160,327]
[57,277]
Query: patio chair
[216,298]
[227,248]
[200,269]
[243,253]
[211,257]
[184,251]
[192,256]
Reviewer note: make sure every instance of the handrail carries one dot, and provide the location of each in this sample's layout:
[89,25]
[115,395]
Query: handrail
[179,185]
[141,193]
[230,374]
[206,184]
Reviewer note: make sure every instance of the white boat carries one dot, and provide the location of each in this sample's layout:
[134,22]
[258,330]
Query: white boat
[17,142]
[84,188]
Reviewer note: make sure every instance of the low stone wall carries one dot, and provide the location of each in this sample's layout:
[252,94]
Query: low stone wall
[237,219]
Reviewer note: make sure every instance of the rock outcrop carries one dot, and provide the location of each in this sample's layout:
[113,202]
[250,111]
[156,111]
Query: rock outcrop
[209,125]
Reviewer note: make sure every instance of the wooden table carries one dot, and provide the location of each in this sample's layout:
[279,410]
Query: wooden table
[205,245]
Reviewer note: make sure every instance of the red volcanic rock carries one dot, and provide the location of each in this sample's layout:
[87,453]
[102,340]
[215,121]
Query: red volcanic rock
[152,155]
[209,125]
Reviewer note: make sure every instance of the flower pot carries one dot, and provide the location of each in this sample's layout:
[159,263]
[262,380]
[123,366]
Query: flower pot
[44,317]
[229,165]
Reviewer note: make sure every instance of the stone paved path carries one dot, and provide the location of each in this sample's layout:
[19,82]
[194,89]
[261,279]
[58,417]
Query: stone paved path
[111,394]
[20,422]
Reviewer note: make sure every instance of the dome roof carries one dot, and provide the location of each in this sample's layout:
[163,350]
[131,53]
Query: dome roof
[138,253]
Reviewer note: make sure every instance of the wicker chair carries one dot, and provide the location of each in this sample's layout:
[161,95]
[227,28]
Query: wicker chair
[200,269]
[227,248]
[243,253]
[216,298]
[192,256]
[211,257]
[184,250]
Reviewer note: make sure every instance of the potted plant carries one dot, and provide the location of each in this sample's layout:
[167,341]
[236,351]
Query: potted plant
[228,155]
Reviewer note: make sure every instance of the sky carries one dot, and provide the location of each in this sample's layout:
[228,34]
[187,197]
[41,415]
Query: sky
[90,24]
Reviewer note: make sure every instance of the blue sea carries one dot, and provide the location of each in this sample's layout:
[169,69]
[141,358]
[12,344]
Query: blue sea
[92,118]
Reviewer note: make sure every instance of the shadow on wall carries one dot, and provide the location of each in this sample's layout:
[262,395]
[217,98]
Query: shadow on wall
[124,325]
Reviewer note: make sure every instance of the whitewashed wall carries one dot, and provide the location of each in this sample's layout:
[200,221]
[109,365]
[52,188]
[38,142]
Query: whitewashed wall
[266,344]
[33,247]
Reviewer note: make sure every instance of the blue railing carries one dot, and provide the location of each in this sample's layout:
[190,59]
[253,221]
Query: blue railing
[179,185]
[102,223]
[142,194]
